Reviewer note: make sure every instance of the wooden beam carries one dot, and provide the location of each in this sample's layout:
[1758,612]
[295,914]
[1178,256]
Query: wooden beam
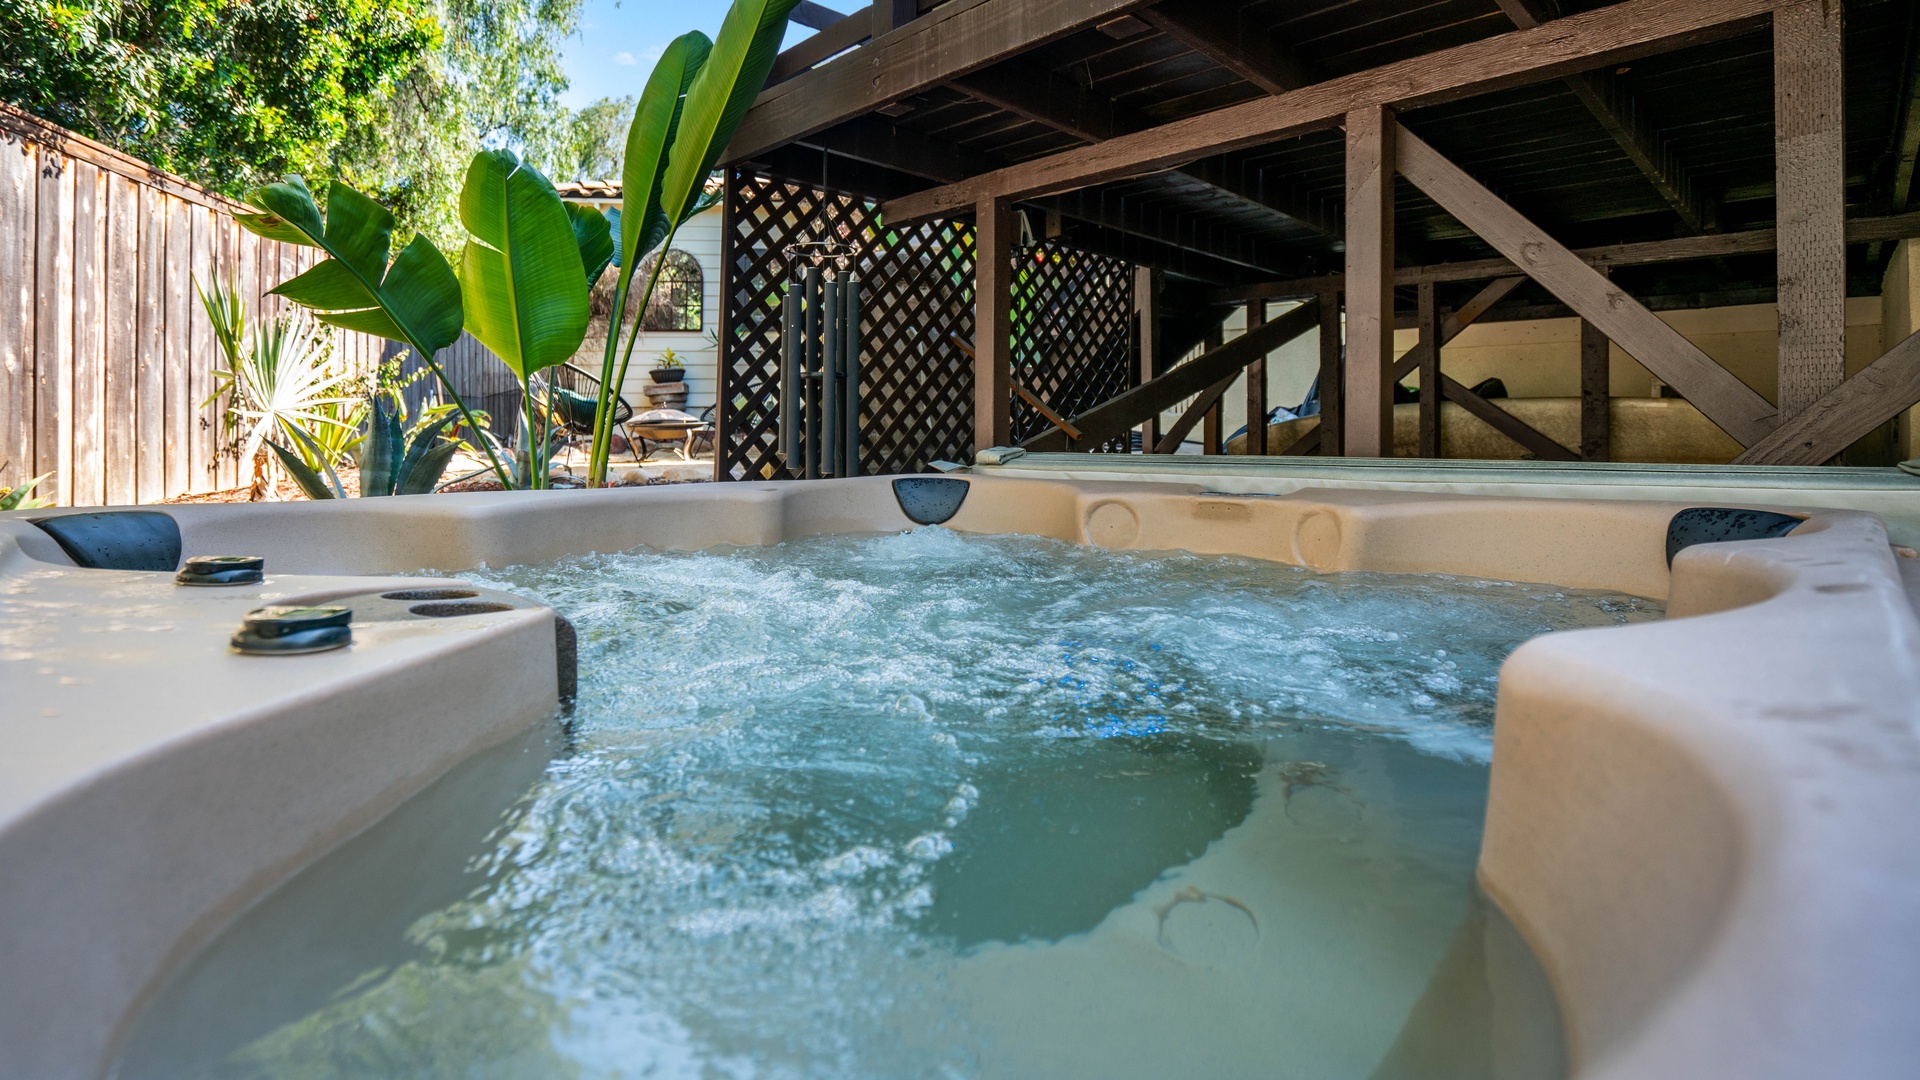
[1114,418]
[994,230]
[1625,120]
[1451,326]
[1025,394]
[1906,135]
[1596,394]
[824,44]
[956,38]
[1257,386]
[814,16]
[1609,35]
[1333,391]
[1219,32]
[1682,249]
[1879,392]
[1530,438]
[1211,444]
[1239,253]
[893,14]
[1810,149]
[1207,407]
[1046,97]
[1429,373]
[1146,310]
[1715,391]
[1371,150]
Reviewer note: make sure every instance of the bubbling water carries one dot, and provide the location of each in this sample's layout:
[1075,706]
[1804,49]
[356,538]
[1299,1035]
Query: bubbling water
[932,805]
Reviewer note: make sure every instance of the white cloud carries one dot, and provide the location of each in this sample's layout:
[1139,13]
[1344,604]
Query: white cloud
[624,59]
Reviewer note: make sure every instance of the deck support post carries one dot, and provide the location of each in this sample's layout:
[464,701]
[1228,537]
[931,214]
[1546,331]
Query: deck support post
[1370,172]
[1810,180]
[1332,440]
[1146,309]
[1256,387]
[1430,392]
[1211,441]
[993,324]
[1596,394]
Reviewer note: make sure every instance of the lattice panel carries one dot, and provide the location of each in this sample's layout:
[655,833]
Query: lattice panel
[1072,334]
[916,386]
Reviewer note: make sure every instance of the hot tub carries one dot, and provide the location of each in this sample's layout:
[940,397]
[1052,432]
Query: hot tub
[1694,823]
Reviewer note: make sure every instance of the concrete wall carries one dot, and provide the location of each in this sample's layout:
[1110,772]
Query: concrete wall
[1542,358]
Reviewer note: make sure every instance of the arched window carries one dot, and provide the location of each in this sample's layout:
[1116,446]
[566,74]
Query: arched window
[677,298]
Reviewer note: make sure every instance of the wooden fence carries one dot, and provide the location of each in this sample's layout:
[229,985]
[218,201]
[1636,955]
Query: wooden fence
[106,358]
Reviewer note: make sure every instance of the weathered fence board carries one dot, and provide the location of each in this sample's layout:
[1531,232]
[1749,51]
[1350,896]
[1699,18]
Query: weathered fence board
[106,358]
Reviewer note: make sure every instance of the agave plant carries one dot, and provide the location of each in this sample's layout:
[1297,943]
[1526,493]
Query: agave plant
[696,97]
[22,497]
[278,382]
[392,461]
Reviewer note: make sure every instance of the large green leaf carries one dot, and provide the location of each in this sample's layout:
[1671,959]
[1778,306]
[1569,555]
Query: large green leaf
[593,234]
[718,100]
[415,300]
[656,120]
[526,294]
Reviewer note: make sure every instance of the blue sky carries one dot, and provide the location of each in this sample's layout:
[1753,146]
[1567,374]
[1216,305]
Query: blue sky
[620,39]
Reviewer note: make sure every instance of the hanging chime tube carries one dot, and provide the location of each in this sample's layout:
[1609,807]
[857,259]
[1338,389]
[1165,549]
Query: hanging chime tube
[810,381]
[790,382]
[830,378]
[850,370]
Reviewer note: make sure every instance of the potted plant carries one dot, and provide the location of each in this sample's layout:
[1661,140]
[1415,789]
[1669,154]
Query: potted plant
[669,368]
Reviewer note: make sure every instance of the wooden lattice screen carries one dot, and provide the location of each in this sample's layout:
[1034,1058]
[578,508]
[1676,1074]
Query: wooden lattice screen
[917,298]
[1072,334]
[1072,327]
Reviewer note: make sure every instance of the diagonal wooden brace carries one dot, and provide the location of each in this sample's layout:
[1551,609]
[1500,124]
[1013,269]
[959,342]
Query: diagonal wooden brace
[1876,394]
[1114,418]
[1714,390]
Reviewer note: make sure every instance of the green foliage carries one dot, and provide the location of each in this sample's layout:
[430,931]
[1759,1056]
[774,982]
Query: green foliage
[415,300]
[522,274]
[521,278]
[693,101]
[227,92]
[22,497]
[279,379]
[390,96]
[593,234]
[494,80]
[393,460]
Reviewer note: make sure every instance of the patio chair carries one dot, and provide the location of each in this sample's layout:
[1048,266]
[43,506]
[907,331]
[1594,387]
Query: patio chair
[573,395]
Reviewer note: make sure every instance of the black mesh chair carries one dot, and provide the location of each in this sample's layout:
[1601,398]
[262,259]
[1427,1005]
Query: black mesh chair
[573,395]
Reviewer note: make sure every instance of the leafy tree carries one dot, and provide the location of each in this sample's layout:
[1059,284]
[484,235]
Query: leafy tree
[391,96]
[227,92]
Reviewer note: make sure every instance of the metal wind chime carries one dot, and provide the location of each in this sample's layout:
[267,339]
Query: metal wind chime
[820,363]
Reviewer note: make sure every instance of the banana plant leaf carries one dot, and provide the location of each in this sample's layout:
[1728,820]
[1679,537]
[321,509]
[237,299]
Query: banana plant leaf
[656,123]
[521,270]
[719,97]
[415,299]
[593,234]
